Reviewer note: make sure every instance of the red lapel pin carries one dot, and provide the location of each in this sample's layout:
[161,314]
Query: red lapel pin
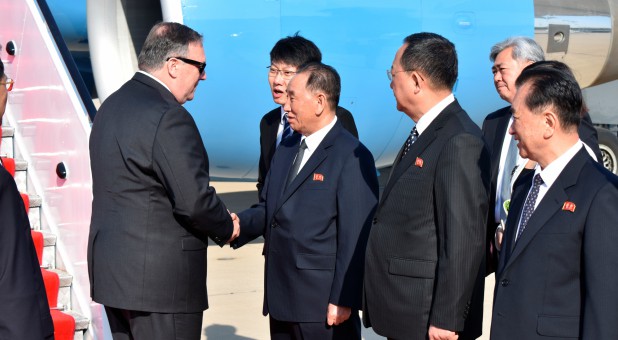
[318,177]
[419,162]
[570,206]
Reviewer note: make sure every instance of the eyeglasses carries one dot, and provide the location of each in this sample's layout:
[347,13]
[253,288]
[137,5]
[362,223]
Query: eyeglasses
[273,71]
[8,83]
[200,66]
[390,74]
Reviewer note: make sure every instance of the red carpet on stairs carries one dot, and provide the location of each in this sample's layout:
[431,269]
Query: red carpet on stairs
[64,325]
[9,165]
[37,238]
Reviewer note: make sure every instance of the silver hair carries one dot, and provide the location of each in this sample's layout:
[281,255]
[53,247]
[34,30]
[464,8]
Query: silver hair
[524,49]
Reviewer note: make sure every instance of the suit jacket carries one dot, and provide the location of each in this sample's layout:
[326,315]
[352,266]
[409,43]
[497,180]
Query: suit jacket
[316,229]
[559,279]
[269,126]
[153,208]
[426,247]
[494,130]
[24,311]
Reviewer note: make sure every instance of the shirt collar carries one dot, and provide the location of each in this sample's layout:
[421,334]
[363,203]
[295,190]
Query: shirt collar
[282,118]
[553,170]
[155,78]
[429,117]
[316,138]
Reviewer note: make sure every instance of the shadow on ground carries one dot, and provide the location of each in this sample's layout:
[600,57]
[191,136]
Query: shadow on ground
[223,332]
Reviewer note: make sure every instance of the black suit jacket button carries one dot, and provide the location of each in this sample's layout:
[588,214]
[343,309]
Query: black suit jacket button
[274,225]
[375,220]
[505,282]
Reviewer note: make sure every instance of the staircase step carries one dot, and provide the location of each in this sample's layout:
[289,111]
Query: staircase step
[49,250]
[49,239]
[81,322]
[21,175]
[65,278]
[35,201]
[21,165]
[64,293]
[34,215]
[6,145]
[8,131]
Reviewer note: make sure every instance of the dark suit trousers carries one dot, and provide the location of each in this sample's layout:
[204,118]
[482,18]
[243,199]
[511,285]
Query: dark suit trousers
[283,330]
[136,325]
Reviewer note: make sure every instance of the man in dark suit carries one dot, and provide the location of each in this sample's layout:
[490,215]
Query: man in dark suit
[510,57]
[24,311]
[153,209]
[315,215]
[424,270]
[286,57]
[556,274]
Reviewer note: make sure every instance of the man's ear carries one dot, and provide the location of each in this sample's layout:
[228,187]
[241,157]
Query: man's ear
[418,82]
[552,122]
[321,103]
[172,66]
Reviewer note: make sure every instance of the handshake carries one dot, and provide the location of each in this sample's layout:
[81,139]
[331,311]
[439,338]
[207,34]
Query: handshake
[236,231]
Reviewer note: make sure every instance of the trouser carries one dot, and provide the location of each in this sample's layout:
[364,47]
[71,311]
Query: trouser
[285,330]
[137,325]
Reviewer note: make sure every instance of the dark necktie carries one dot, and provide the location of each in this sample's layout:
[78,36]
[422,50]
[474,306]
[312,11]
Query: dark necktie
[287,130]
[411,139]
[297,160]
[529,205]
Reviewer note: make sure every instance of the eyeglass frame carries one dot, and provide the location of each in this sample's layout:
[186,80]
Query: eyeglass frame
[273,72]
[8,83]
[390,74]
[200,65]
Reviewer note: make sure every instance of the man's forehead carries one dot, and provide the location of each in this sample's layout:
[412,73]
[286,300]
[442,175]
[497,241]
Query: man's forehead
[283,66]
[297,83]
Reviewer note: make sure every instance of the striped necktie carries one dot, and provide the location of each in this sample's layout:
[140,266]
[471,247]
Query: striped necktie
[411,139]
[529,205]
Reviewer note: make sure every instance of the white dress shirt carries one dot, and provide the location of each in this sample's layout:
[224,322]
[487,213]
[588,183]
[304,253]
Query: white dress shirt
[314,140]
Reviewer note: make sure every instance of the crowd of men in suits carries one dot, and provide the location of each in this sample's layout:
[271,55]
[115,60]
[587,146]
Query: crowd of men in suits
[523,197]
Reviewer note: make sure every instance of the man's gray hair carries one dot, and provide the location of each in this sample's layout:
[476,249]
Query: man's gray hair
[524,49]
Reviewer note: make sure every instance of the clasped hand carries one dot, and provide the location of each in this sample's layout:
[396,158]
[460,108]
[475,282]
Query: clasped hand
[337,314]
[236,231]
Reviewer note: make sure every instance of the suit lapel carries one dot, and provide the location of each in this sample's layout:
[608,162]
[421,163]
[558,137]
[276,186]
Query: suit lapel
[283,159]
[272,127]
[551,204]
[501,126]
[318,156]
[516,205]
[423,141]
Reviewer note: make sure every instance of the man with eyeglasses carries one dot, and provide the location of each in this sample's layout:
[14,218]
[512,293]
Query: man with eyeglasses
[153,208]
[424,270]
[24,312]
[286,57]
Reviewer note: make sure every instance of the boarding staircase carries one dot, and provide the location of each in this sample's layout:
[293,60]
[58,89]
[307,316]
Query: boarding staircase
[68,323]
[45,145]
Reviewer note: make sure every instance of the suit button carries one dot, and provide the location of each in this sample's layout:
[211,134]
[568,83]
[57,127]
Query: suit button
[375,220]
[505,282]
[274,225]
